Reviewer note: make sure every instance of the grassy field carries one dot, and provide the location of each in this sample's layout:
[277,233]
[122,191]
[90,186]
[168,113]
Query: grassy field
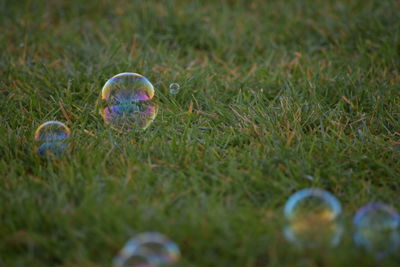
[275,96]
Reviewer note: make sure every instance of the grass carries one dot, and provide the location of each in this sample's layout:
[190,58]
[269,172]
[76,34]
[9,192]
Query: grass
[275,96]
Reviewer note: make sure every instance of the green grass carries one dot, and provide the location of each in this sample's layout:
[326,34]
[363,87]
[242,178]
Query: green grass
[275,96]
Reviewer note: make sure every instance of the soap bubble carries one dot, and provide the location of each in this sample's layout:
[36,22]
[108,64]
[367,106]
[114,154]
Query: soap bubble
[313,218]
[377,228]
[174,88]
[127,102]
[148,248]
[133,260]
[52,149]
[52,137]
[52,131]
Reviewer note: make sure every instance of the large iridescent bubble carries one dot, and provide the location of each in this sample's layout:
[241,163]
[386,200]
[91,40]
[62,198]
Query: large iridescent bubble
[377,228]
[148,249]
[52,138]
[127,102]
[312,218]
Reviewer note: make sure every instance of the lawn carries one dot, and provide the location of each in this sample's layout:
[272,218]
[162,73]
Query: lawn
[276,96]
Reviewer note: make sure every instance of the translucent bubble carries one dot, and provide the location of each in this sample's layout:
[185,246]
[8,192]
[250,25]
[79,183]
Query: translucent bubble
[52,131]
[152,248]
[127,102]
[313,218]
[174,88]
[133,260]
[52,137]
[377,228]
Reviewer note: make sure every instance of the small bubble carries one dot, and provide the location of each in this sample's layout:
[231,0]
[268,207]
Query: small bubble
[174,88]
[312,218]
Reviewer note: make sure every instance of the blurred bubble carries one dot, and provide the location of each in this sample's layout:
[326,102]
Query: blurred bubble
[127,102]
[174,88]
[52,131]
[52,137]
[377,228]
[312,218]
[133,260]
[56,149]
[149,248]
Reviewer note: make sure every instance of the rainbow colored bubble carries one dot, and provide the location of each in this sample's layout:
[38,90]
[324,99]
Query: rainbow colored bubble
[127,102]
